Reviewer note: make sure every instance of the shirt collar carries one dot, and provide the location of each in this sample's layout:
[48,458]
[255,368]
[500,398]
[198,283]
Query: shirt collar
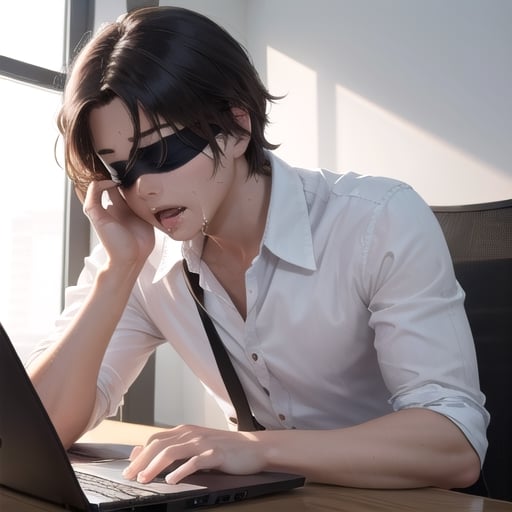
[287,232]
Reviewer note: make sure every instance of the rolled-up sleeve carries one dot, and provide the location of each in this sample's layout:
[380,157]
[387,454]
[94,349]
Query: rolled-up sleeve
[133,342]
[422,336]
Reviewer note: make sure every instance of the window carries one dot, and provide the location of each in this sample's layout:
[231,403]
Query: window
[41,233]
[24,35]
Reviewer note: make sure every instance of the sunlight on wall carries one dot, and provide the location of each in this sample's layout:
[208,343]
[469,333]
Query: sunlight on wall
[372,140]
[375,141]
[294,119]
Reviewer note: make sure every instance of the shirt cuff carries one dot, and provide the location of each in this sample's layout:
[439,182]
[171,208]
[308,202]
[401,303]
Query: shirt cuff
[467,412]
[105,406]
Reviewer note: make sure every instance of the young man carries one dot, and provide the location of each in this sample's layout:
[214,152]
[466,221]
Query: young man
[334,295]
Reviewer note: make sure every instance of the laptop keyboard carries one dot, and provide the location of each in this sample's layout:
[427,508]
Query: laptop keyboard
[110,489]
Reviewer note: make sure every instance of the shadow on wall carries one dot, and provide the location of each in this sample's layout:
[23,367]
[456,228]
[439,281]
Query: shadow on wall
[416,90]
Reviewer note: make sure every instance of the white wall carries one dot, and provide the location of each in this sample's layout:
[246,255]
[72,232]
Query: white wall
[414,89]
[420,90]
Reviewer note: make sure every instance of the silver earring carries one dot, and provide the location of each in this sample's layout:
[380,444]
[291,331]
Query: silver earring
[204,227]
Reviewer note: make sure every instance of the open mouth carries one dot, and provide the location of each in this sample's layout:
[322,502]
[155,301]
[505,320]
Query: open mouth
[168,217]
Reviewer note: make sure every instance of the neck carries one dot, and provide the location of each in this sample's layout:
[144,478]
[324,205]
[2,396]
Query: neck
[237,230]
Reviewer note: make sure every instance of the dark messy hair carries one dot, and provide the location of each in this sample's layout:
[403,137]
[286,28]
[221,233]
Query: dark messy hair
[176,65]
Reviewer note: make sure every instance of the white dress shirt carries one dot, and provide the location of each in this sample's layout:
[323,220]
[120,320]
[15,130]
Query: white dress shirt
[353,311]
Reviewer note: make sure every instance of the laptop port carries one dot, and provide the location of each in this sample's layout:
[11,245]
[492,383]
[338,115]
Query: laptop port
[225,498]
[240,495]
[198,501]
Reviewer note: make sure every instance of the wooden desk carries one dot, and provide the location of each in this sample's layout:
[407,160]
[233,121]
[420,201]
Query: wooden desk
[311,498]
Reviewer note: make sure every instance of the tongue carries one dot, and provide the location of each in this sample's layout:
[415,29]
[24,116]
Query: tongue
[168,217]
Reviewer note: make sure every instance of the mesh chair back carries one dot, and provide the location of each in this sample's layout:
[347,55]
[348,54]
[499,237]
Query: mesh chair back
[480,241]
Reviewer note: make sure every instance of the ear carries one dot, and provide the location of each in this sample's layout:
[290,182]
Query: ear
[243,118]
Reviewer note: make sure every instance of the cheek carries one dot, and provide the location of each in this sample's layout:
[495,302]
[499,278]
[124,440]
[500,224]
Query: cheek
[201,165]
[195,175]
[136,204]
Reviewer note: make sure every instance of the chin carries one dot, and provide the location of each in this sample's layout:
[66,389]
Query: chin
[179,235]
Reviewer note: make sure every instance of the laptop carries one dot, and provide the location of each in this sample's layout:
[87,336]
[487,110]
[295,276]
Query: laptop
[33,462]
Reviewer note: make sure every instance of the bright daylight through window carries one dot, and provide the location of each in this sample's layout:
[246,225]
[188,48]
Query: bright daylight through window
[33,185]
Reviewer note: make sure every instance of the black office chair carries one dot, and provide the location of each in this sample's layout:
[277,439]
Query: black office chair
[480,241]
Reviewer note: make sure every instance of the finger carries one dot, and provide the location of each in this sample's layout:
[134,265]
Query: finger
[115,197]
[115,204]
[96,188]
[135,452]
[162,449]
[209,459]
[158,465]
[138,460]
[151,460]
[175,434]
[92,204]
[140,456]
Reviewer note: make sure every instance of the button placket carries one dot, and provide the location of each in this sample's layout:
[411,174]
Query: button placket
[281,403]
[251,289]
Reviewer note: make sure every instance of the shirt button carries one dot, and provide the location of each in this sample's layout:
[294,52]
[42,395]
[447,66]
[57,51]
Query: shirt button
[233,420]
[254,356]
[282,417]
